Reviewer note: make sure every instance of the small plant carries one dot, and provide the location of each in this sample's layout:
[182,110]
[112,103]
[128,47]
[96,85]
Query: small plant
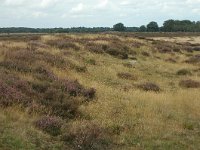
[171,60]
[51,125]
[149,87]
[63,44]
[81,68]
[184,72]
[91,61]
[85,135]
[42,73]
[188,125]
[194,59]
[126,76]
[189,84]
[117,53]
[40,87]
[89,93]
[145,54]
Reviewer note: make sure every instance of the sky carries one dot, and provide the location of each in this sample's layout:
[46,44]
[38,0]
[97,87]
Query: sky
[94,13]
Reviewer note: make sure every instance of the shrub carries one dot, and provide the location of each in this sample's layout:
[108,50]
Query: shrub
[74,88]
[105,47]
[183,72]
[89,93]
[16,65]
[51,125]
[126,76]
[34,45]
[117,53]
[91,61]
[194,59]
[85,135]
[189,84]
[165,50]
[10,95]
[137,44]
[63,44]
[81,68]
[40,87]
[149,87]
[196,48]
[22,55]
[176,49]
[171,60]
[42,73]
[96,48]
[145,54]
[53,60]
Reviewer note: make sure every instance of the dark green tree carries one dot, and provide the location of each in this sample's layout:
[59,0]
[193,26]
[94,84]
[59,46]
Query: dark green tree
[143,28]
[119,27]
[152,27]
[168,25]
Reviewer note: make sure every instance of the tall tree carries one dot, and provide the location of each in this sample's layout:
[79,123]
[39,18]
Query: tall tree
[143,28]
[168,25]
[119,27]
[153,27]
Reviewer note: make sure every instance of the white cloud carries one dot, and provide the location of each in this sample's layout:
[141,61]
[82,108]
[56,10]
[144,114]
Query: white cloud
[14,2]
[39,14]
[78,9]
[47,3]
[95,12]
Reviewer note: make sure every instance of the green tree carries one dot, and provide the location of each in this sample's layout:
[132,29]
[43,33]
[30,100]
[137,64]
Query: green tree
[143,28]
[168,25]
[119,27]
[152,27]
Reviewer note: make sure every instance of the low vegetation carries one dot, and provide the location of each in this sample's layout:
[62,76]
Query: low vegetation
[99,91]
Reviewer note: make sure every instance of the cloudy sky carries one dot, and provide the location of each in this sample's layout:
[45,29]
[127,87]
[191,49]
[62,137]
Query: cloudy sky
[89,13]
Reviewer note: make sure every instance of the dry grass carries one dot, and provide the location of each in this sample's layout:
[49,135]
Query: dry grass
[120,116]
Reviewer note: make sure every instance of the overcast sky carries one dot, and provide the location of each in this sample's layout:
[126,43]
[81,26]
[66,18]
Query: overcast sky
[89,13]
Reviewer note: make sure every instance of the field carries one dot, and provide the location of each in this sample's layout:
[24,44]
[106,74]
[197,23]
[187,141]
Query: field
[99,91]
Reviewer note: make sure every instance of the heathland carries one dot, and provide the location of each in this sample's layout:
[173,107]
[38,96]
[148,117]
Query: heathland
[99,91]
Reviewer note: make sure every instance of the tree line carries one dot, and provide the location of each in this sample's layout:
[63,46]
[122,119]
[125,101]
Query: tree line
[168,26]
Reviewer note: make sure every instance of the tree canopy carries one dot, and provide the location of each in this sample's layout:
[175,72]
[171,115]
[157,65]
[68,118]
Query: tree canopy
[153,27]
[119,27]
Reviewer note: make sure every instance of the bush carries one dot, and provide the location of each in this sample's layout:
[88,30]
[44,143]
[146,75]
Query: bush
[117,53]
[10,95]
[96,48]
[189,84]
[63,44]
[89,93]
[91,61]
[51,125]
[126,76]
[85,135]
[171,60]
[40,87]
[194,59]
[15,65]
[74,88]
[183,72]
[145,54]
[81,68]
[42,73]
[149,87]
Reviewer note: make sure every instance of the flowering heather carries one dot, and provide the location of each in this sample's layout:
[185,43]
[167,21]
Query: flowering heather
[51,125]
